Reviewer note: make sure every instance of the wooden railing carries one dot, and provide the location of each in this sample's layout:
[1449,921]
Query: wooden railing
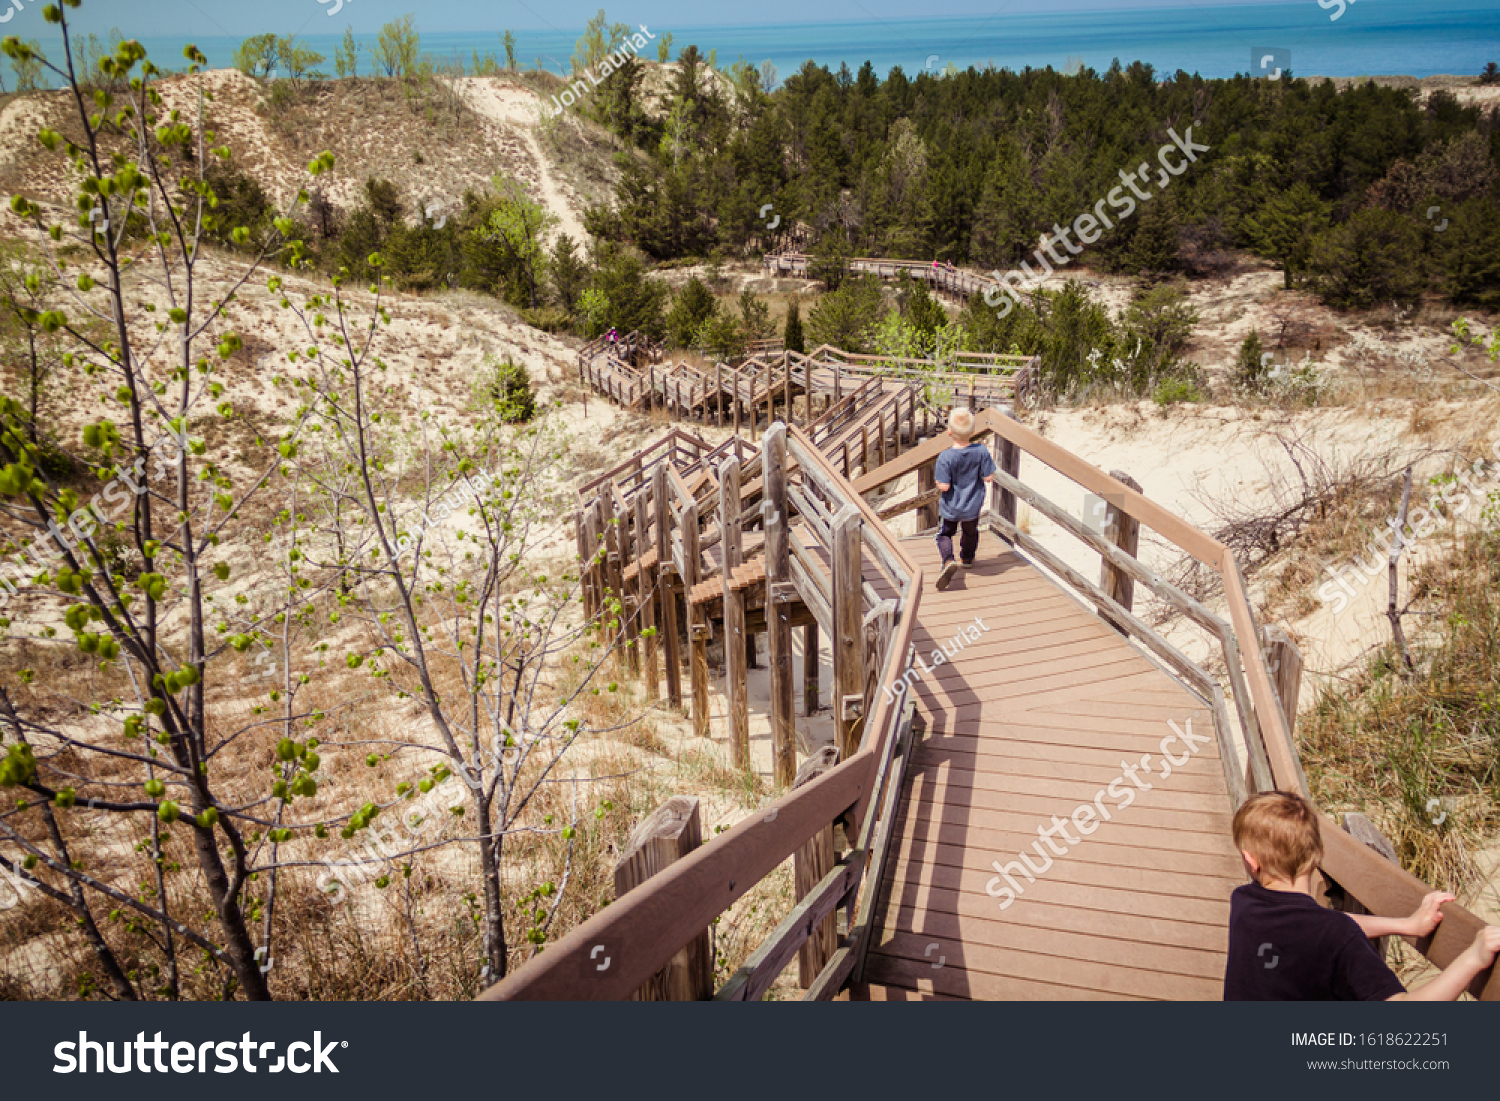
[1269,760]
[825,549]
[983,380]
[959,282]
[678,447]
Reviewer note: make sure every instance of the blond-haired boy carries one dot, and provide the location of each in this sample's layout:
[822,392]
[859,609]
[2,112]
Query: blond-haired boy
[1283,946]
[962,472]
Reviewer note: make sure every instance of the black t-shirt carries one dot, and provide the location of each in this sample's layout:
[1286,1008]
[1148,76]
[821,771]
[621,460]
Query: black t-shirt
[1283,946]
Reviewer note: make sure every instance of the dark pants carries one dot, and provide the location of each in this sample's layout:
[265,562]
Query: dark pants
[968,542]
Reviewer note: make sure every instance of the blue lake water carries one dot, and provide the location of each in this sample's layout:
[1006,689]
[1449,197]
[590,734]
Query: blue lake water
[1368,37]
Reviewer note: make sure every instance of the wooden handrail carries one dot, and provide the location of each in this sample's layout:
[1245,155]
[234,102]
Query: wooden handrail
[612,953]
[1386,888]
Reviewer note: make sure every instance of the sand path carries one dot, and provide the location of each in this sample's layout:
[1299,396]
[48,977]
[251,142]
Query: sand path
[521,109]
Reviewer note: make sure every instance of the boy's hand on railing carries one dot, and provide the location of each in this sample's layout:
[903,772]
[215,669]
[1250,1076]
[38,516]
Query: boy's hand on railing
[1486,944]
[1429,914]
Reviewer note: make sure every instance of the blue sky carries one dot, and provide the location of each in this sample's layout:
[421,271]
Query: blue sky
[188,18]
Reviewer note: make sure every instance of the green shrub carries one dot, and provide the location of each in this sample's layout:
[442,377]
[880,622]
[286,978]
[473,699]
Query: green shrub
[508,385]
[1175,389]
[549,319]
[1249,370]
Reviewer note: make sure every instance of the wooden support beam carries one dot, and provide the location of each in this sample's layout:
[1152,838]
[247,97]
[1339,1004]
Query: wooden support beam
[1009,461]
[1284,662]
[1123,531]
[765,375]
[786,381]
[1359,827]
[812,862]
[646,594]
[927,515]
[848,630]
[612,567]
[668,834]
[633,547]
[666,585]
[810,670]
[699,629]
[777,515]
[735,653]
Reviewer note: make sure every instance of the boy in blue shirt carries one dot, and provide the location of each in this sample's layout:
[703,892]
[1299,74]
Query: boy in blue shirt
[962,472]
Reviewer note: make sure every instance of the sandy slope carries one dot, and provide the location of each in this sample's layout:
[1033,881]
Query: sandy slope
[520,109]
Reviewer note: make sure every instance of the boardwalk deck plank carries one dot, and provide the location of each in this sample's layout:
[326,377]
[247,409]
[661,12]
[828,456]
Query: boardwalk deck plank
[1035,718]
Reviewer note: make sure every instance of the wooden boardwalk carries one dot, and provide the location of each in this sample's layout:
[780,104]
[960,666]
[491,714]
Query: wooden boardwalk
[1043,815]
[1033,719]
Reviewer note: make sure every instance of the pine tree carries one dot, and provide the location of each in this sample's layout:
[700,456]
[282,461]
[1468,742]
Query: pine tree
[792,339]
[1285,227]
[691,308]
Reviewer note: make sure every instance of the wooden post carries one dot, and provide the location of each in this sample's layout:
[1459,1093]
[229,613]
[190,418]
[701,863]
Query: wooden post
[1359,827]
[634,546]
[736,404]
[735,670]
[1124,531]
[612,563]
[1009,461]
[810,864]
[665,572]
[699,628]
[778,605]
[810,670]
[668,834]
[848,630]
[786,377]
[719,389]
[646,590]
[770,392]
[1284,661]
[927,515]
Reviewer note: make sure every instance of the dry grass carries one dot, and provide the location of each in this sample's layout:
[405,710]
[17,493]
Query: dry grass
[1422,756]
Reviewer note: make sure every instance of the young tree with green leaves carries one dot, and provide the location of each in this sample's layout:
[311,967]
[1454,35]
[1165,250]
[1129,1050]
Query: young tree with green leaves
[509,40]
[346,56]
[298,61]
[28,69]
[257,55]
[147,761]
[518,227]
[27,288]
[398,48]
[223,805]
